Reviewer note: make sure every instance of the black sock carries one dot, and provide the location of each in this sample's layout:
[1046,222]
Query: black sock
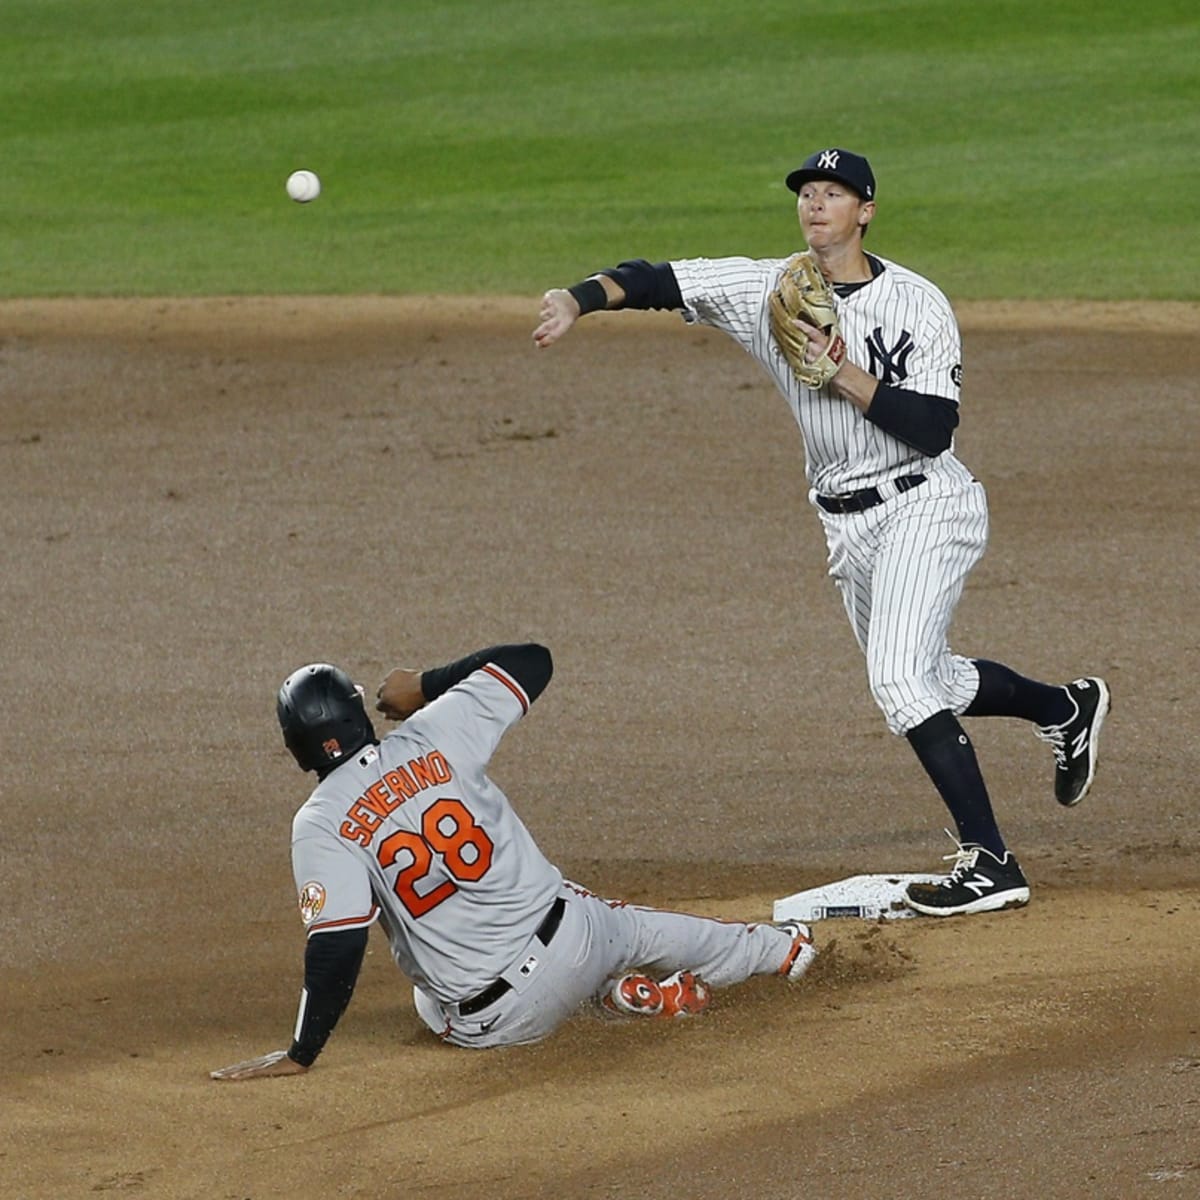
[1004,693]
[949,760]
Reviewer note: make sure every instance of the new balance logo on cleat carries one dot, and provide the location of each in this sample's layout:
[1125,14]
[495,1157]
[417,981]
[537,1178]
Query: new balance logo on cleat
[1076,742]
[979,882]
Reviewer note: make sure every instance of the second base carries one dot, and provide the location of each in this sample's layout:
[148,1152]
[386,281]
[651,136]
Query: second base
[868,897]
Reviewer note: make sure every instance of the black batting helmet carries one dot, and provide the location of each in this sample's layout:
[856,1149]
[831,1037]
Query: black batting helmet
[322,716]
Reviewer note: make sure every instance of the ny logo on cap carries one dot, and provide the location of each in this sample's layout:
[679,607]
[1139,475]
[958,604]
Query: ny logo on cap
[828,160]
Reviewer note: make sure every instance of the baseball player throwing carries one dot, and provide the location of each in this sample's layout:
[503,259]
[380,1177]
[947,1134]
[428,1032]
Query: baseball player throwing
[874,382]
[410,831]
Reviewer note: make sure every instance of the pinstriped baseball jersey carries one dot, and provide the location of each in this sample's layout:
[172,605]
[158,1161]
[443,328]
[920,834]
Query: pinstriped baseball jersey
[900,566]
[412,831]
[898,327]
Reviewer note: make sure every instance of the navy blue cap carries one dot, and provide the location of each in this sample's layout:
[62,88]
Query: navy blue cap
[851,169]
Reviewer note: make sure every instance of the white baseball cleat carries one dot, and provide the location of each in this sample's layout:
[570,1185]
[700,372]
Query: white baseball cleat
[800,956]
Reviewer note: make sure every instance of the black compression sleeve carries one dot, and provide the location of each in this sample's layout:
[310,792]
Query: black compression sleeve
[646,285]
[529,664]
[331,965]
[926,423]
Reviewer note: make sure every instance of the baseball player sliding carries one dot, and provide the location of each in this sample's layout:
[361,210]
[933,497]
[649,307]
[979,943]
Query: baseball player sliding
[867,355]
[410,831]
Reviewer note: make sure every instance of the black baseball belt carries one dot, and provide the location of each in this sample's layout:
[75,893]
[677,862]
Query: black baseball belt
[853,502]
[545,932]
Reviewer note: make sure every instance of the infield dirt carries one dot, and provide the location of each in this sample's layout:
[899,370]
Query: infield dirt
[199,496]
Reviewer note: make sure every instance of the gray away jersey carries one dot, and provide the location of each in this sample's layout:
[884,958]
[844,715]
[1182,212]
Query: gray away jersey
[414,832]
[898,327]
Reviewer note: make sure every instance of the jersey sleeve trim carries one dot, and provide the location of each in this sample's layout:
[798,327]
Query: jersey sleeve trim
[528,665]
[346,922]
[510,683]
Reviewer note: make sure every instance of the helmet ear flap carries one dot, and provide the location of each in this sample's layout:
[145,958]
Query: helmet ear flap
[323,717]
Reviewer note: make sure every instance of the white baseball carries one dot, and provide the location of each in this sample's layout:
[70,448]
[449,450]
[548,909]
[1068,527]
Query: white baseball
[303,186]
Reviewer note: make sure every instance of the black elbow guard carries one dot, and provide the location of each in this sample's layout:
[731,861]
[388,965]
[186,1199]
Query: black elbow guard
[646,285]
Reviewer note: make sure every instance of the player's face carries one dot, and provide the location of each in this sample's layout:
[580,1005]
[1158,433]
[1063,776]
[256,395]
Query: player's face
[831,213]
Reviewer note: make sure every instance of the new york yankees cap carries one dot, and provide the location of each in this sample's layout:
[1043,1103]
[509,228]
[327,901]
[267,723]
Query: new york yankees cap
[851,169]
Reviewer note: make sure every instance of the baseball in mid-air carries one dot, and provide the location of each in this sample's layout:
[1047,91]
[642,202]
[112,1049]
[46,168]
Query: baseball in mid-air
[303,186]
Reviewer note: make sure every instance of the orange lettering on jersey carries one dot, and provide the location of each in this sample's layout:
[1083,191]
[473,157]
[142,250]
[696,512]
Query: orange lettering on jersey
[364,815]
[425,770]
[383,797]
[439,766]
[354,832]
[401,783]
[378,799]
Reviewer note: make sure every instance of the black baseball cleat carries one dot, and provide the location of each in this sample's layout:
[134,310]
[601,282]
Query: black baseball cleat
[978,882]
[1075,742]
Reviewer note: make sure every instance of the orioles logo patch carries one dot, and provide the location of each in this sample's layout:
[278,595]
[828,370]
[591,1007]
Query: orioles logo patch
[332,746]
[312,900]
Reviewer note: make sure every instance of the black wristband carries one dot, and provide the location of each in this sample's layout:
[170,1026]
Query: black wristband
[590,296]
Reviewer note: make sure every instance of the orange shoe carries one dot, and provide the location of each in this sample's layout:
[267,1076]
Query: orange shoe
[680,995]
[634,996]
[684,995]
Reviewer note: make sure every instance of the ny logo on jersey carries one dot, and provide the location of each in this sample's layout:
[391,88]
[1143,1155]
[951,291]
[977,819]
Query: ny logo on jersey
[889,365]
[828,160]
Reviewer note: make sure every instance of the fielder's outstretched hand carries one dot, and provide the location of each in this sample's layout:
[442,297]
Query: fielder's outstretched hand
[558,313]
[267,1066]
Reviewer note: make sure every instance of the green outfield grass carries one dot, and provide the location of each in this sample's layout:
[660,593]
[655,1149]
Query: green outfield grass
[1022,148]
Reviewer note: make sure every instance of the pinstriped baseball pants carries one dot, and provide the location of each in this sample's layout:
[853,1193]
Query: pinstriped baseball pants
[901,567]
